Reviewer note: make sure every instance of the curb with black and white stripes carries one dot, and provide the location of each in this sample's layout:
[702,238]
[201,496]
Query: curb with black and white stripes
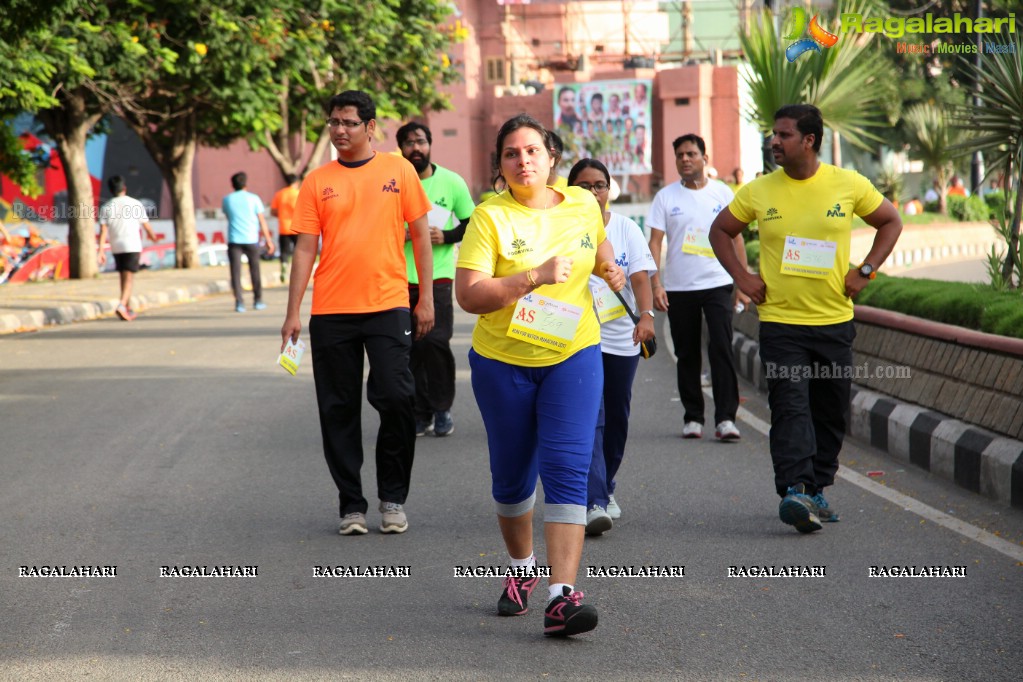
[976,459]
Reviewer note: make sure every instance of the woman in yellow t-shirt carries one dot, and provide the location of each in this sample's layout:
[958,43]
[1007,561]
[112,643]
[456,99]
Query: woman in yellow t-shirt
[524,268]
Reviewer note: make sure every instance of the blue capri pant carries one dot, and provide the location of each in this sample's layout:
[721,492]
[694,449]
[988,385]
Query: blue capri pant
[540,421]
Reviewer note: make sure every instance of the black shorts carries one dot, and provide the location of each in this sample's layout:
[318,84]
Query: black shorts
[288,242]
[127,262]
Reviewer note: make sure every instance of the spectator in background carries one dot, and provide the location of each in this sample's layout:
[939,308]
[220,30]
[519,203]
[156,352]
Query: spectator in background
[958,189]
[994,186]
[283,207]
[914,206]
[737,176]
[123,219]
[245,223]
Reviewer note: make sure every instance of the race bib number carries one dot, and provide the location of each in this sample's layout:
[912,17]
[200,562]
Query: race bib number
[545,322]
[605,303]
[291,356]
[697,241]
[812,258]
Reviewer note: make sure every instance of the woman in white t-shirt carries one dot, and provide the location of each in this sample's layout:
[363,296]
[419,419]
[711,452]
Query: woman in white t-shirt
[619,343]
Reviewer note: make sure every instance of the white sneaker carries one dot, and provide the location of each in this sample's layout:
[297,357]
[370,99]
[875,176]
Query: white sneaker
[597,521]
[353,524]
[394,520]
[726,430]
[705,380]
[613,510]
[692,430]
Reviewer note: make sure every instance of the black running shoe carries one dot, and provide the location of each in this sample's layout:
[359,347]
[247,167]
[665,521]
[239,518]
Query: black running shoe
[515,596]
[566,615]
[799,510]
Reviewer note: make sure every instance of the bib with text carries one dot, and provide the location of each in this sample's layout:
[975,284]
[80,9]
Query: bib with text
[814,258]
[545,322]
[607,305]
[291,357]
[697,241]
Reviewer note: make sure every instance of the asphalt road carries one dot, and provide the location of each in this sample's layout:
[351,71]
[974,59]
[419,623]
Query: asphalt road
[176,441]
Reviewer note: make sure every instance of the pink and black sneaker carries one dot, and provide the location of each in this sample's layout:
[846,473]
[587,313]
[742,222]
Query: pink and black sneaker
[516,594]
[566,615]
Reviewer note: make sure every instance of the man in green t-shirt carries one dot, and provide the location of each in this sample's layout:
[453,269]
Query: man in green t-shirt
[804,293]
[431,361]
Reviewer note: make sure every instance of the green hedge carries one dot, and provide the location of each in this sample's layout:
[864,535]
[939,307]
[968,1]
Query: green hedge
[974,306]
[968,209]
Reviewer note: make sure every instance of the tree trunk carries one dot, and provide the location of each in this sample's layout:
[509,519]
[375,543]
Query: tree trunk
[836,149]
[1012,258]
[69,127]
[174,155]
[942,192]
[179,178]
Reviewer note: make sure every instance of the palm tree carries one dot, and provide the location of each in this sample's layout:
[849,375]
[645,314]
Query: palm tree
[847,82]
[997,124]
[932,137]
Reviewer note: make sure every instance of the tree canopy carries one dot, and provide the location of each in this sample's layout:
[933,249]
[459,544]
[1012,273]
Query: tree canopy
[187,72]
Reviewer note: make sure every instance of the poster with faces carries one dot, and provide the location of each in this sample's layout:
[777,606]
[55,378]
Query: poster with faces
[610,119]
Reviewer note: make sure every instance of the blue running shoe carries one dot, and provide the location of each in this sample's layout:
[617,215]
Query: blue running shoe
[423,428]
[798,509]
[443,424]
[824,512]
[239,307]
[259,305]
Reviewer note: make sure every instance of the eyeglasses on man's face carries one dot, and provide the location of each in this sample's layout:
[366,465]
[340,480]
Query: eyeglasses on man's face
[347,125]
[597,187]
[411,142]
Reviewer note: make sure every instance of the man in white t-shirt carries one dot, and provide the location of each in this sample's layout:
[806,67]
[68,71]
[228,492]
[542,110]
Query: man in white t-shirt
[123,219]
[695,284]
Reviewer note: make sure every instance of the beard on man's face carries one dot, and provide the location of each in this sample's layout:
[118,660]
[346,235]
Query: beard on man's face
[419,161]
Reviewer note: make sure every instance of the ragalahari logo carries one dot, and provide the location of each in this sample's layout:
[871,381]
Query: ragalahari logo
[819,36]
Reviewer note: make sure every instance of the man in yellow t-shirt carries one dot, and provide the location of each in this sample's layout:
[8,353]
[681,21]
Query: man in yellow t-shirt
[282,207]
[804,298]
[359,205]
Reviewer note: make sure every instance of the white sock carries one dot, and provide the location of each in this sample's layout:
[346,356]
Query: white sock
[528,562]
[555,591]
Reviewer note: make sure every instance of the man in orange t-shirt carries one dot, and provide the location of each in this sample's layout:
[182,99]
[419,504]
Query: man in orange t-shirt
[359,206]
[283,207]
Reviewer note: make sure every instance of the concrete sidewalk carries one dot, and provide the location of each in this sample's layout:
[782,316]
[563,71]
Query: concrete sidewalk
[32,306]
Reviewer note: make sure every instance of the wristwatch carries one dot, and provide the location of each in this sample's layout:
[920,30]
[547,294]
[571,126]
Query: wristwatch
[867,270]
[647,312]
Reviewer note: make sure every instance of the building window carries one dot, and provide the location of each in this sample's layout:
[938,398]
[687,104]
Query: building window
[495,70]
